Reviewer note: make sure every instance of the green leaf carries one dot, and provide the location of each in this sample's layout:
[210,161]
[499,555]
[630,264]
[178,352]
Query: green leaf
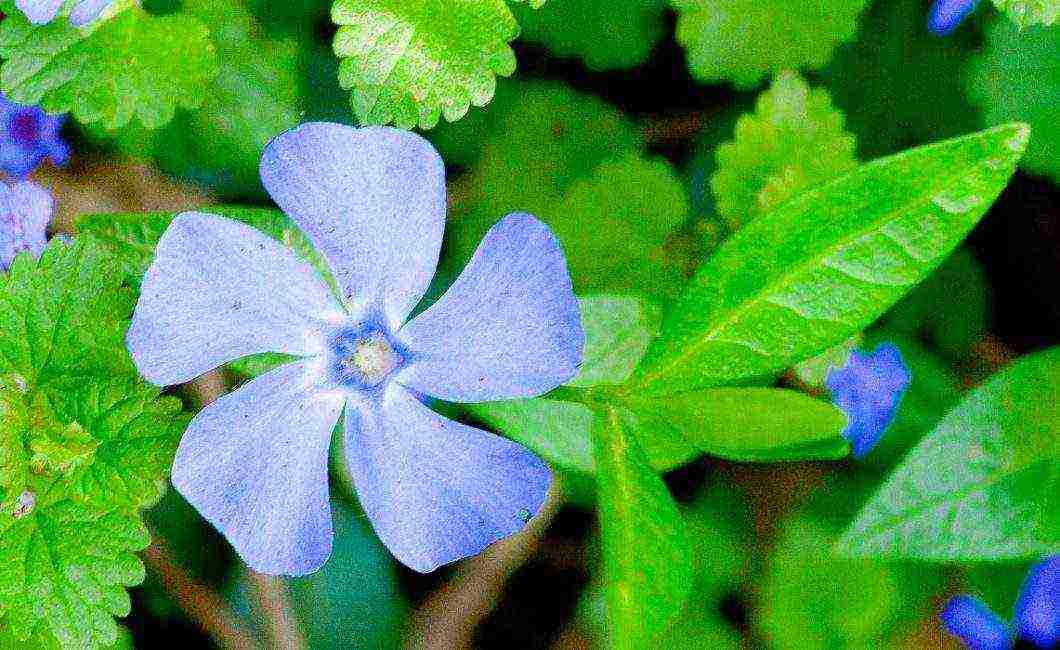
[1030,12]
[557,430]
[63,316]
[606,34]
[745,424]
[1015,76]
[127,63]
[645,592]
[64,567]
[618,330]
[984,485]
[792,141]
[824,265]
[739,40]
[410,61]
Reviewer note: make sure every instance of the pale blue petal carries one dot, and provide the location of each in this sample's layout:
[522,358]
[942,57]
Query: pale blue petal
[219,290]
[508,327]
[971,621]
[1038,609]
[435,490]
[947,15]
[255,465]
[86,11]
[40,11]
[371,200]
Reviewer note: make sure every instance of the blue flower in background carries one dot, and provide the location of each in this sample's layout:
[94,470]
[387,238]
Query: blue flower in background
[28,136]
[40,12]
[25,211]
[947,15]
[254,462]
[868,389]
[1036,620]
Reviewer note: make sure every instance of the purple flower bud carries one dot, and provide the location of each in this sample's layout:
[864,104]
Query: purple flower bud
[868,389]
[1037,617]
[28,135]
[946,15]
[971,621]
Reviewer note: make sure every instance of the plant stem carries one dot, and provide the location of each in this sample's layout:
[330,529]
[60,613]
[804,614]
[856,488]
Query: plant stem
[281,624]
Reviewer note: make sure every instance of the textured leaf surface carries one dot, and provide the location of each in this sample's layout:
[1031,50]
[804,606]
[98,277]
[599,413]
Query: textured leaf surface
[793,140]
[618,330]
[128,64]
[1016,76]
[746,40]
[411,61]
[824,265]
[984,485]
[644,591]
[1030,12]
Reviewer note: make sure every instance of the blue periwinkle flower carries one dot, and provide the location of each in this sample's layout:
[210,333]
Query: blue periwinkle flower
[868,389]
[25,211]
[254,462]
[28,135]
[947,15]
[1036,620]
[40,12]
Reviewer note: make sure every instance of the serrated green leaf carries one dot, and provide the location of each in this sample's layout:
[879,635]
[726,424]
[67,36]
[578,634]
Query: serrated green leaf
[824,265]
[984,485]
[64,566]
[1016,76]
[793,140]
[126,64]
[411,61]
[745,424]
[63,316]
[606,34]
[645,592]
[739,40]
[1030,12]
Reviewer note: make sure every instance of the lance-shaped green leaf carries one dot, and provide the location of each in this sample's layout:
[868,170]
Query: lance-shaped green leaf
[411,61]
[645,591]
[822,266]
[984,485]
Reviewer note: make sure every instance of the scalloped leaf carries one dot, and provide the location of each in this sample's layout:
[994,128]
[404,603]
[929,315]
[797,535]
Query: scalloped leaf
[129,63]
[1030,12]
[411,61]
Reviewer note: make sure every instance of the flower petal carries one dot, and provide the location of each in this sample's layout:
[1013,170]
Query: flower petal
[971,621]
[1038,608]
[219,290]
[86,11]
[435,490]
[255,465]
[371,200]
[508,327]
[39,12]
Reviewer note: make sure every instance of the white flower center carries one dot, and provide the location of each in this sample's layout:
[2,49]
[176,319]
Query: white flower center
[374,359]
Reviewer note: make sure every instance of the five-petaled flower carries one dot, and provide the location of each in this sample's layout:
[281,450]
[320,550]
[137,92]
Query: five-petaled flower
[254,462]
[947,15]
[40,12]
[25,212]
[28,135]
[868,389]
[1036,618]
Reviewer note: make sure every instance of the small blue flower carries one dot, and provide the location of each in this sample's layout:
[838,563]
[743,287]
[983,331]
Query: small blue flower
[40,12]
[254,462]
[868,389]
[25,211]
[947,15]
[1036,620]
[28,135]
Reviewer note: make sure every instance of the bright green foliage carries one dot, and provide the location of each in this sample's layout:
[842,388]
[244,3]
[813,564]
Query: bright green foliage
[535,4]
[42,639]
[83,446]
[984,485]
[617,332]
[644,591]
[255,96]
[411,61]
[1017,76]
[793,140]
[744,41]
[898,84]
[1030,12]
[606,34]
[128,63]
[814,371]
[556,429]
[824,265]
